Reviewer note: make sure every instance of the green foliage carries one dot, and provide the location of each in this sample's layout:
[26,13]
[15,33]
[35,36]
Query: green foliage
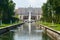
[48,24]
[7,10]
[51,11]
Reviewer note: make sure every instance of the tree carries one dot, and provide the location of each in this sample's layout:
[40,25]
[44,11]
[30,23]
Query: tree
[6,10]
[51,11]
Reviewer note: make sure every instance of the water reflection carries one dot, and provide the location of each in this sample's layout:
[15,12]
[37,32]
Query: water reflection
[7,36]
[46,37]
[29,27]
[22,33]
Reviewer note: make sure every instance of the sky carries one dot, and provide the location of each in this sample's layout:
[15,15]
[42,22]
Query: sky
[28,3]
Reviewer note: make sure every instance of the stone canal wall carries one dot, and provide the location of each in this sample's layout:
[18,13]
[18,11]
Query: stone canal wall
[55,35]
[3,30]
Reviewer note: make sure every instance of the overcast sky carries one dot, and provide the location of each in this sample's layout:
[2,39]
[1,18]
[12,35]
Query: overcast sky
[27,3]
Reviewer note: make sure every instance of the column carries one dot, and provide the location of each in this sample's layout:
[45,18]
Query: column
[22,17]
[37,17]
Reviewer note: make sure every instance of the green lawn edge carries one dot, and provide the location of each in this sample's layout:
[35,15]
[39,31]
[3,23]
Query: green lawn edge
[8,25]
[54,26]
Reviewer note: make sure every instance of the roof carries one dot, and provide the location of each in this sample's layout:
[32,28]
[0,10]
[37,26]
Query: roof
[25,11]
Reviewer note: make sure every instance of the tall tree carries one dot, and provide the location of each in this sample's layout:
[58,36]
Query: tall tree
[53,10]
[6,10]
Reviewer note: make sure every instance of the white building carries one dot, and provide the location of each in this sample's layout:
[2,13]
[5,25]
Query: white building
[36,13]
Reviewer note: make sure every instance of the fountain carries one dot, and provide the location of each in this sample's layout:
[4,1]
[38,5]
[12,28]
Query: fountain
[29,21]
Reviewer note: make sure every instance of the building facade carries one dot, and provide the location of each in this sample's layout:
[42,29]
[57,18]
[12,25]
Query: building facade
[36,13]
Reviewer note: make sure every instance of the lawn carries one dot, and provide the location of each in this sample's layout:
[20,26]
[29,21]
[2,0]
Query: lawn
[7,25]
[54,26]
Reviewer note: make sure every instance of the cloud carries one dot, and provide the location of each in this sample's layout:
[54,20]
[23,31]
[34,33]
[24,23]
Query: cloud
[36,3]
[27,3]
[32,1]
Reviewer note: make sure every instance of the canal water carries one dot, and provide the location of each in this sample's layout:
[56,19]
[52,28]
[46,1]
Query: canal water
[22,33]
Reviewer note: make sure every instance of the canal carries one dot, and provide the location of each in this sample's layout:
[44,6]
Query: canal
[22,33]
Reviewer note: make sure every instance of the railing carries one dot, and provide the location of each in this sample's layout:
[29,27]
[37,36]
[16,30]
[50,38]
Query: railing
[52,32]
[50,29]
